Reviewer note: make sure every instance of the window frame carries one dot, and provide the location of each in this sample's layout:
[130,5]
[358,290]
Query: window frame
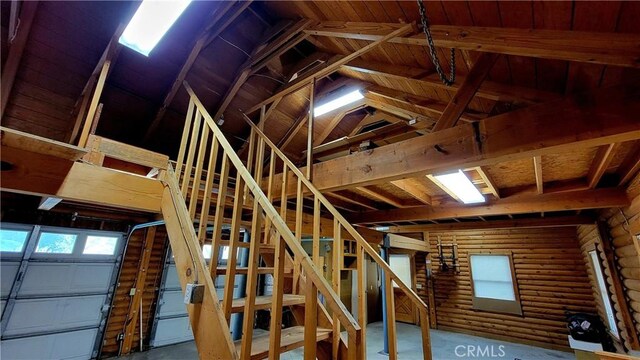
[512,307]
[604,293]
[16,227]
[79,245]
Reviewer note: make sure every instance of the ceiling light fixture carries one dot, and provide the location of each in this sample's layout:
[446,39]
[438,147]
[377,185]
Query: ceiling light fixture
[150,22]
[338,103]
[459,186]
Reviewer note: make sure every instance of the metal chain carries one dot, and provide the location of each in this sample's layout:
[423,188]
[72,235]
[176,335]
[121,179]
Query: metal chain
[432,49]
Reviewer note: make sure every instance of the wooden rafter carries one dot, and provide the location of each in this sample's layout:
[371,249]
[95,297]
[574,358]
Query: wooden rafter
[221,18]
[382,196]
[331,67]
[353,199]
[549,128]
[466,91]
[600,163]
[537,169]
[488,90]
[414,188]
[16,48]
[335,120]
[591,47]
[523,204]
[486,178]
[374,118]
[630,166]
[497,224]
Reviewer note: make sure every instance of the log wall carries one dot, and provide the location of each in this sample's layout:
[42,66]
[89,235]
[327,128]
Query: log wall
[550,275]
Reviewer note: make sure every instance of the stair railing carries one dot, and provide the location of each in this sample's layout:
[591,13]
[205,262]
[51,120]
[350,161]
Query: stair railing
[202,141]
[291,176]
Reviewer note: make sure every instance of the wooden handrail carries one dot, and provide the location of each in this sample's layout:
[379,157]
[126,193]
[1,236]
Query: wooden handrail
[347,226]
[312,273]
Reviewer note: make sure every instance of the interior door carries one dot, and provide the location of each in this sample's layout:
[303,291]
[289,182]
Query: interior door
[405,310]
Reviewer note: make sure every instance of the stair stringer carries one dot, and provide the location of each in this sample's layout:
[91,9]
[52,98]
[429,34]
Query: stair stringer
[210,329]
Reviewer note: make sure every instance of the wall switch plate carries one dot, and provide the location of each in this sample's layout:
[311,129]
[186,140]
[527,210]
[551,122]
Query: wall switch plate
[194,293]
[132,291]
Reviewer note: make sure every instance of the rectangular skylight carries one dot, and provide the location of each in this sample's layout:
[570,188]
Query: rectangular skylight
[338,103]
[459,184]
[150,22]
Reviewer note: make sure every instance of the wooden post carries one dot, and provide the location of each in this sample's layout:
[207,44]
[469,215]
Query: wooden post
[219,215]
[134,306]
[94,104]
[197,177]
[185,138]
[298,233]
[335,280]
[190,154]
[208,188]
[229,279]
[310,320]
[362,301]
[426,338]
[252,281]
[310,131]
[276,300]
[391,317]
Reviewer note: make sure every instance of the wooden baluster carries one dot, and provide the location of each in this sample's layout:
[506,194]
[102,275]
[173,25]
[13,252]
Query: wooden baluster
[283,196]
[236,219]
[276,301]
[218,218]
[315,252]
[190,154]
[391,317]
[185,139]
[252,282]
[310,320]
[426,338]
[362,300]
[197,178]
[208,188]
[354,348]
[298,233]
[335,281]
[272,171]
[252,140]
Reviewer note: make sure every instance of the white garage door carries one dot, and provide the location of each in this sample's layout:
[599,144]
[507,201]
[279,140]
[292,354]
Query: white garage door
[56,290]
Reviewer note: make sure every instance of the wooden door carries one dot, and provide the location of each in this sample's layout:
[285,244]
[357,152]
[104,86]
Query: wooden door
[402,264]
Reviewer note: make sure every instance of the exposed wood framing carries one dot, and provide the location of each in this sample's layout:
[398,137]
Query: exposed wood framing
[597,48]
[385,198]
[610,117]
[414,188]
[600,163]
[486,178]
[521,204]
[466,92]
[630,166]
[537,169]
[498,224]
[331,67]
[16,48]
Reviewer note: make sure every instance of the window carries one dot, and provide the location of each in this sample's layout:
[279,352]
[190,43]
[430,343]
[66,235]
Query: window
[56,243]
[401,265]
[100,245]
[602,289]
[225,253]
[493,284]
[12,240]
[206,251]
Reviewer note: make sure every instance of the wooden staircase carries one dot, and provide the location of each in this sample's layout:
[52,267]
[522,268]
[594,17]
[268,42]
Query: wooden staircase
[209,183]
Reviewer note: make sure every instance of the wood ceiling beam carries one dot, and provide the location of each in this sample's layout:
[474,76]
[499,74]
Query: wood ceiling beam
[221,18]
[293,131]
[486,178]
[521,204]
[488,90]
[331,66]
[590,47]
[537,169]
[354,199]
[414,188]
[374,118]
[383,197]
[329,128]
[498,224]
[609,116]
[467,90]
[16,48]
[600,163]
[630,166]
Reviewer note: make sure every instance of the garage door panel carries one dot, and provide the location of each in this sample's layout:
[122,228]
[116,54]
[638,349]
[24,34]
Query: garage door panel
[8,271]
[172,304]
[172,281]
[54,346]
[72,278]
[171,331]
[52,314]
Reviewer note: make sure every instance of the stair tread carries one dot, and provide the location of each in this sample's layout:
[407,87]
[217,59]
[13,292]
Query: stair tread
[264,302]
[291,338]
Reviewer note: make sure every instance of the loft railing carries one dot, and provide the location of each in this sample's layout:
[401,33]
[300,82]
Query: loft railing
[290,173]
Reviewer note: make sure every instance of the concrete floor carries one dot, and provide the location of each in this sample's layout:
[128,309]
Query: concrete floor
[445,345]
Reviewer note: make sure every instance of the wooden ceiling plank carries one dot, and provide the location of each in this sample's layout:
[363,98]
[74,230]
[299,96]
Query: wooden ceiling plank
[497,224]
[332,66]
[329,128]
[537,167]
[548,128]
[466,91]
[16,48]
[597,48]
[522,204]
[221,18]
[414,188]
[600,163]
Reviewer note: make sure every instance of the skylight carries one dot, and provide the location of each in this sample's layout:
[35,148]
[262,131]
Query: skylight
[459,185]
[150,22]
[338,103]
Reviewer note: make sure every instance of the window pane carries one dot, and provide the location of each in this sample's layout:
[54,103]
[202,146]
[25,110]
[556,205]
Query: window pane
[401,265]
[12,240]
[56,243]
[494,290]
[100,245]
[602,289]
[225,253]
[492,277]
[206,251]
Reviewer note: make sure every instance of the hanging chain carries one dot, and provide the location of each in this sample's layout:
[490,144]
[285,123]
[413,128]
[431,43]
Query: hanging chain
[432,49]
